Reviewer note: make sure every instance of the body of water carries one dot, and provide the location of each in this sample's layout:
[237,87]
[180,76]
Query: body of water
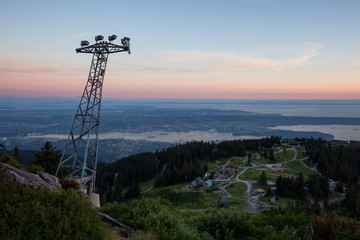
[158,136]
[340,132]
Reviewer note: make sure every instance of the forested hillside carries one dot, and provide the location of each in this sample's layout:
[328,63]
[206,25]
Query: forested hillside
[340,163]
[174,165]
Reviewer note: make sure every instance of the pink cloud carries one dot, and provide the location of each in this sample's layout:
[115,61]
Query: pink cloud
[223,62]
[354,64]
[27,69]
[14,64]
[231,62]
[149,68]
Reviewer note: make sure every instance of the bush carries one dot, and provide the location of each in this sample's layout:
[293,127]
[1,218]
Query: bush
[223,224]
[11,161]
[69,183]
[155,216]
[334,227]
[28,213]
[33,168]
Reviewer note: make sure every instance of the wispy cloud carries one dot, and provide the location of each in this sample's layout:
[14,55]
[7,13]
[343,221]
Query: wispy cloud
[149,68]
[232,62]
[12,64]
[27,69]
[227,62]
[354,64]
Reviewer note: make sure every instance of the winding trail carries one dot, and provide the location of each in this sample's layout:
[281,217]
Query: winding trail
[148,189]
[254,205]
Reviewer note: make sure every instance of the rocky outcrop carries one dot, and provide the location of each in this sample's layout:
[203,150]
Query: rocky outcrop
[40,179]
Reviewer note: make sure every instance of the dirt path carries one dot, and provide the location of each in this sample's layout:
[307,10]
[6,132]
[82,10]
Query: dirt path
[147,189]
[254,205]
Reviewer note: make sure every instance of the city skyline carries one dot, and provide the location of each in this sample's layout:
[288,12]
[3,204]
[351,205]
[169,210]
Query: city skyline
[246,49]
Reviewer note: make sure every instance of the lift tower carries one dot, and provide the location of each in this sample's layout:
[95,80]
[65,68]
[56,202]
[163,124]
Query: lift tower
[79,158]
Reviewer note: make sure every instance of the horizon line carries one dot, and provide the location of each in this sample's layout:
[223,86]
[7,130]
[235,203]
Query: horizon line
[198,99]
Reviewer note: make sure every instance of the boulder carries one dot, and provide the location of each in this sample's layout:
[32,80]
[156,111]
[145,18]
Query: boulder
[41,179]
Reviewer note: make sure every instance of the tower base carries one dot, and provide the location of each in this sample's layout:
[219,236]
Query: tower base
[94,199]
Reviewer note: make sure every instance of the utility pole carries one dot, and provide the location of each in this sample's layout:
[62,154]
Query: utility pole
[79,158]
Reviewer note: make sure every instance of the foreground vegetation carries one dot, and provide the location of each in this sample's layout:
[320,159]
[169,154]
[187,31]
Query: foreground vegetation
[173,210]
[156,218]
[28,213]
[179,164]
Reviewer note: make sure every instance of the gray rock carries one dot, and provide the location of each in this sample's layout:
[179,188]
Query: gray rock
[50,179]
[30,179]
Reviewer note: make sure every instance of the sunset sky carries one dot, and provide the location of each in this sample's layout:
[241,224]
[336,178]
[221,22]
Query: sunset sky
[189,49]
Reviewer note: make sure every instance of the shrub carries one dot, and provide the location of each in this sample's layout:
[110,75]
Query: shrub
[28,213]
[155,216]
[11,161]
[33,168]
[223,224]
[334,227]
[69,183]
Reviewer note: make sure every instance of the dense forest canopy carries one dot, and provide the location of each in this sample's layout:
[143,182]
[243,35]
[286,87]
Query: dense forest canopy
[178,164]
[339,163]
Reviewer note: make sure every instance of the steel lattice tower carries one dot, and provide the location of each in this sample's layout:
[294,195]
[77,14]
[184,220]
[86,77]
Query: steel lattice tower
[79,158]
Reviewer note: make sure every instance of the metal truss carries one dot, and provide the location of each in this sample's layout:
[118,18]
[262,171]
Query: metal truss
[79,158]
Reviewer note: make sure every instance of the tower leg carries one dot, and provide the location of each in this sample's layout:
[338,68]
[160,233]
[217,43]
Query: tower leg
[80,154]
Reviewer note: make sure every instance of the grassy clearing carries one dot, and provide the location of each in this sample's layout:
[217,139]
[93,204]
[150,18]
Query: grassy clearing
[176,188]
[295,167]
[237,189]
[250,175]
[147,184]
[257,186]
[308,163]
[237,161]
[281,157]
[253,174]
[221,160]
[235,203]
[300,153]
[281,201]
[262,160]
[212,166]
[194,198]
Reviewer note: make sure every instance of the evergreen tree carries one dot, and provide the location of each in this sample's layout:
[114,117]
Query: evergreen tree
[352,201]
[339,187]
[48,158]
[263,180]
[133,191]
[318,187]
[272,155]
[17,154]
[284,151]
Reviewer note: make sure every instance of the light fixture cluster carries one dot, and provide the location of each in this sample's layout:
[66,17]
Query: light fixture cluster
[125,41]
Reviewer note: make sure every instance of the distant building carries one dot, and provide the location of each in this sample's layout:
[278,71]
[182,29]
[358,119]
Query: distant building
[230,165]
[193,183]
[260,191]
[339,143]
[207,184]
[332,185]
[255,155]
[197,182]
[354,143]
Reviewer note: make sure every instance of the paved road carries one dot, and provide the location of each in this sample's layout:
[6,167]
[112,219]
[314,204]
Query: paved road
[253,202]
